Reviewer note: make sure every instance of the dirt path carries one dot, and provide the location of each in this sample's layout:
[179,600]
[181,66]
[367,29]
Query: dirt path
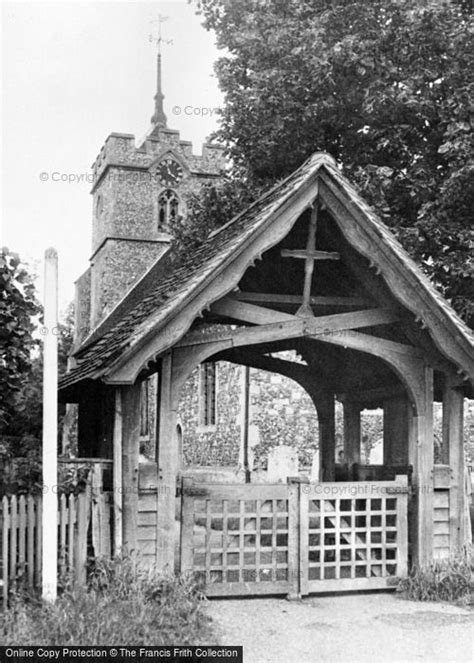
[368,628]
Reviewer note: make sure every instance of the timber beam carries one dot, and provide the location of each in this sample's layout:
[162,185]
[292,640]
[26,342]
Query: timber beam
[291,369]
[369,396]
[312,255]
[367,343]
[260,315]
[297,300]
[249,313]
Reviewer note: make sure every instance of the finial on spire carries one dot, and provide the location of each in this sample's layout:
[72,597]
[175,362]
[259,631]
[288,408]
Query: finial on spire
[159,118]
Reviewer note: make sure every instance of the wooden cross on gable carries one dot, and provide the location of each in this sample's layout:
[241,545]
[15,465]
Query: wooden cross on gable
[310,254]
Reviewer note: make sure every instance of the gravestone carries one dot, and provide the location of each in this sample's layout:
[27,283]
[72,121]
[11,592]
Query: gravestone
[282,463]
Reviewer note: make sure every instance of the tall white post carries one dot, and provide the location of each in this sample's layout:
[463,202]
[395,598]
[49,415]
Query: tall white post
[50,427]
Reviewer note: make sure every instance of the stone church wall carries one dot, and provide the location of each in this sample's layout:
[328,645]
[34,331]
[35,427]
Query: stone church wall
[82,307]
[280,413]
[218,445]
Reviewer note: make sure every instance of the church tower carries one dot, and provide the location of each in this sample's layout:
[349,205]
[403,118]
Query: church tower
[139,192]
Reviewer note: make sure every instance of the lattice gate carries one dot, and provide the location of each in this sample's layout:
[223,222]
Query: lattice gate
[296,539]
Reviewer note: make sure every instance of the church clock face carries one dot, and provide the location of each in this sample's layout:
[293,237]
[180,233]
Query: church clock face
[170,172]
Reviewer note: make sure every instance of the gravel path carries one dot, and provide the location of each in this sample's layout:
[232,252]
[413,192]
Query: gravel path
[358,628]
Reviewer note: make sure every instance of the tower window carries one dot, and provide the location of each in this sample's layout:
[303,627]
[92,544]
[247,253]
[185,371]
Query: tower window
[168,205]
[207,394]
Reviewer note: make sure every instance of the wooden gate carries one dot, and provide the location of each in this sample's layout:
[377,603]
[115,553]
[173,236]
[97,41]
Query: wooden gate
[296,539]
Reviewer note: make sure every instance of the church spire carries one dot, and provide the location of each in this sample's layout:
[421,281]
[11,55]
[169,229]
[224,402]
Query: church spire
[158,119]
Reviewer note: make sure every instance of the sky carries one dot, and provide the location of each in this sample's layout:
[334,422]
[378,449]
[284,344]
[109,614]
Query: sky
[72,73]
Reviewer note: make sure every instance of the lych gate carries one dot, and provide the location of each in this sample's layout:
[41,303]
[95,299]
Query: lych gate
[307,268]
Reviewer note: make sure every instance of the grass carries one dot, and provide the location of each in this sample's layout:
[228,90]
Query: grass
[444,580]
[123,604]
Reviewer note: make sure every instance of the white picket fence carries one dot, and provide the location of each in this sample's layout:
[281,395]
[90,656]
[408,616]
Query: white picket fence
[20,536]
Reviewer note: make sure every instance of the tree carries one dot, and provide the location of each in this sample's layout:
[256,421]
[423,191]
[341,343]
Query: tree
[28,403]
[384,86]
[18,308]
[212,207]
[21,374]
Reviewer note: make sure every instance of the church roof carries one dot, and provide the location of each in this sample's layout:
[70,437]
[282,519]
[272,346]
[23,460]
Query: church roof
[167,286]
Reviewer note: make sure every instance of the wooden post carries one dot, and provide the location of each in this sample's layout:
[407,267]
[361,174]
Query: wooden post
[5,556]
[245,432]
[351,432]
[395,431]
[402,526]
[130,443]
[100,514]
[117,472]
[31,541]
[187,524]
[423,472]
[453,439]
[327,433]
[167,469]
[294,577]
[50,428]
[82,525]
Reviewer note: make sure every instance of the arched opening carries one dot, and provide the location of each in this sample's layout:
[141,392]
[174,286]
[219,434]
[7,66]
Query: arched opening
[254,411]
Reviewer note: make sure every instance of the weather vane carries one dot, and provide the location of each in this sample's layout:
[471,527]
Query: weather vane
[159,40]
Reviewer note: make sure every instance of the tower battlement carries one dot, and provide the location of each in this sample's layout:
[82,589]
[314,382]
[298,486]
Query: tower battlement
[120,150]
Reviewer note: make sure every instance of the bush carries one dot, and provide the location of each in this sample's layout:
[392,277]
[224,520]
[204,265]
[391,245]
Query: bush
[123,603]
[445,580]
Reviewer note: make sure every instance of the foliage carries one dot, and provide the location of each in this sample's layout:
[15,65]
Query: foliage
[448,580]
[20,465]
[21,470]
[123,603]
[21,366]
[384,87]
[21,427]
[209,209]
[371,433]
[18,307]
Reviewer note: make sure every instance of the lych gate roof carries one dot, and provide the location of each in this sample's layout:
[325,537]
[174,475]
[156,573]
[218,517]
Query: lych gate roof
[166,288]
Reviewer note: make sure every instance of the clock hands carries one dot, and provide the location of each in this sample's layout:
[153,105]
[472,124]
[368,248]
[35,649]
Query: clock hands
[170,172]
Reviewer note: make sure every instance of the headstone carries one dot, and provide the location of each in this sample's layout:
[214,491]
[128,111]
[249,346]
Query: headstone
[315,467]
[282,463]
[254,440]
